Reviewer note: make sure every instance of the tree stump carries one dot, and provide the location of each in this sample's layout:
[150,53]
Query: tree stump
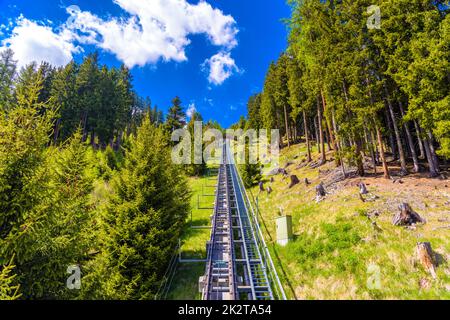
[261,186]
[320,190]
[362,188]
[272,180]
[307,182]
[294,181]
[426,257]
[269,190]
[406,216]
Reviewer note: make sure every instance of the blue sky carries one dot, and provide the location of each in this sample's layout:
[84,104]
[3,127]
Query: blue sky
[213,54]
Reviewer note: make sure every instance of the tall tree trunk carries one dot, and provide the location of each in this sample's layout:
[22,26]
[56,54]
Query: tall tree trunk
[93,140]
[57,130]
[359,160]
[84,121]
[410,141]
[372,149]
[119,141]
[434,171]
[375,147]
[308,145]
[295,133]
[327,136]
[338,142]
[331,133]
[419,139]
[323,157]
[382,155]
[316,127]
[287,126]
[434,157]
[404,169]
[391,135]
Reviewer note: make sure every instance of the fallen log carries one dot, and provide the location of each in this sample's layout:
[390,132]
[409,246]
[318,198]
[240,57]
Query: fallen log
[406,216]
[288,164]
[294,181]
[426,257]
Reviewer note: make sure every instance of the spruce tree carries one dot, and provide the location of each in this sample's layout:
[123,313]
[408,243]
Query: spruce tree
[251,172]
[64,97]
[269,119]
[7,75]
[9,290]
[254,112]
[281,95]
[196,169]
[87,88]
[65,234]
[176,118]
[25,196]
[144,220]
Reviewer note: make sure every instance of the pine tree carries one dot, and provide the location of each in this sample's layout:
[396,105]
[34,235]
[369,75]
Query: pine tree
[281,94]
[268,111]
[87,88]
[9,290]
[196,169]
[144,220]
[254,112]
[125,97]
[65,234]
[24,193]
[7,75]
[64,97]
[48,73]
[297,98]
[176,118]
[251,172]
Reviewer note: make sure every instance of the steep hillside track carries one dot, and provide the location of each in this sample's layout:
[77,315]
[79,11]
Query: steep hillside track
[238,266]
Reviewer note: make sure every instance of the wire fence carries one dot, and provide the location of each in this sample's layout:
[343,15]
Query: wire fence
[167,280]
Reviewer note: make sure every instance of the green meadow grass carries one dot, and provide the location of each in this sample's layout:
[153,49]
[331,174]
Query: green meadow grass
[193,243]
[335,243]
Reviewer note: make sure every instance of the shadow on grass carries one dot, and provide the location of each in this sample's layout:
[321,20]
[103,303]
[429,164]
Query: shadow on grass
[199,223]
[185,283]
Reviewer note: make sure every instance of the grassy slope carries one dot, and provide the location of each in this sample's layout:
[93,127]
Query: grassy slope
[335,242]
[185,283]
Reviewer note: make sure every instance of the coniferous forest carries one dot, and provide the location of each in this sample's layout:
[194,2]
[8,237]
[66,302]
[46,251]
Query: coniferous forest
[86,179]
[350,88]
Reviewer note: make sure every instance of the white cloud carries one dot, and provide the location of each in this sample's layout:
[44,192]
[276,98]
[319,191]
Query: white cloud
[152,30]
[33,42]
[191,110]
[156,29]
[220,66]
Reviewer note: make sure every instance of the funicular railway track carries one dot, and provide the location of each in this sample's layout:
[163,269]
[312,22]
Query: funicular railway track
[237,266]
